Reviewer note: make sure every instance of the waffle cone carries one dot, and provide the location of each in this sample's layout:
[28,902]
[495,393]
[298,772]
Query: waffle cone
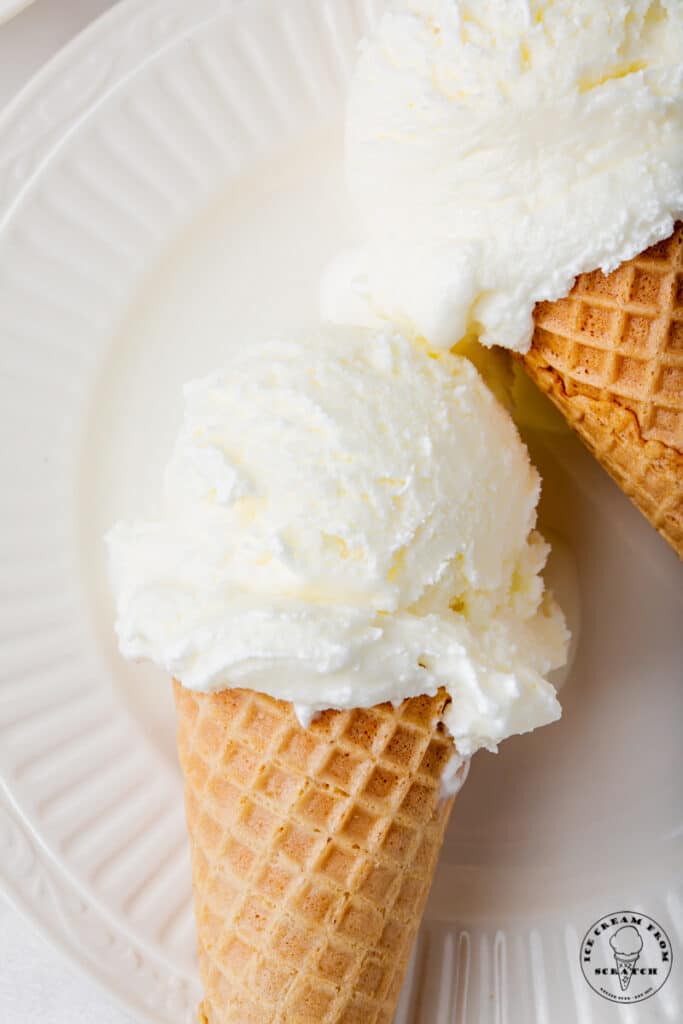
[313,851]
[610,356]
[626,965]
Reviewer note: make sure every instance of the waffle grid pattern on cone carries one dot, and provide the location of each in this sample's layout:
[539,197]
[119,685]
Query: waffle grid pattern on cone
[312,852]
[621,337]
[610,356]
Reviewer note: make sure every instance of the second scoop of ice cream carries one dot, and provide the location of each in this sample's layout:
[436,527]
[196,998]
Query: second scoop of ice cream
[349,520]
[496,149]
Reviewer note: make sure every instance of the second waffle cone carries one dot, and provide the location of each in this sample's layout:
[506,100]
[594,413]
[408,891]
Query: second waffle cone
[313,851]
[610,356]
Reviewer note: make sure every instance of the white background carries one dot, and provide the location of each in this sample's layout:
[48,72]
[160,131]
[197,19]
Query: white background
[36,985]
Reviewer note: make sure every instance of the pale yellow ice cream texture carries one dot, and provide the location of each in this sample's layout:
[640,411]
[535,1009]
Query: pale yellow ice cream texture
[496,149]
[350,519]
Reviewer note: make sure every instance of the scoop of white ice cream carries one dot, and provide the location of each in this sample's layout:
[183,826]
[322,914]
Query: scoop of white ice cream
[349,521]
[626,941]
[497,148]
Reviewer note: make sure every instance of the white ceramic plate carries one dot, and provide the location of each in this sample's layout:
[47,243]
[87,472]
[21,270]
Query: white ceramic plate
[170,186]
[8,8]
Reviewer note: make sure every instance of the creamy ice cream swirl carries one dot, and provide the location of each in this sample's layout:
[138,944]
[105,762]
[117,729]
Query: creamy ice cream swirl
[349,520]
[496,149]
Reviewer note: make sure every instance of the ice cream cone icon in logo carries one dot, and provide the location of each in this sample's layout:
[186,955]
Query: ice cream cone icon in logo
[626,945]
[626,956]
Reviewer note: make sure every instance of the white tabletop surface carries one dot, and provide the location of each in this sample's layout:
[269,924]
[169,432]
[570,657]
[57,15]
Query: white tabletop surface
[36,984]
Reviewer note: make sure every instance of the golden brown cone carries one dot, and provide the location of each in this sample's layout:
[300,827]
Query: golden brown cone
[610,356]
[313,851]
